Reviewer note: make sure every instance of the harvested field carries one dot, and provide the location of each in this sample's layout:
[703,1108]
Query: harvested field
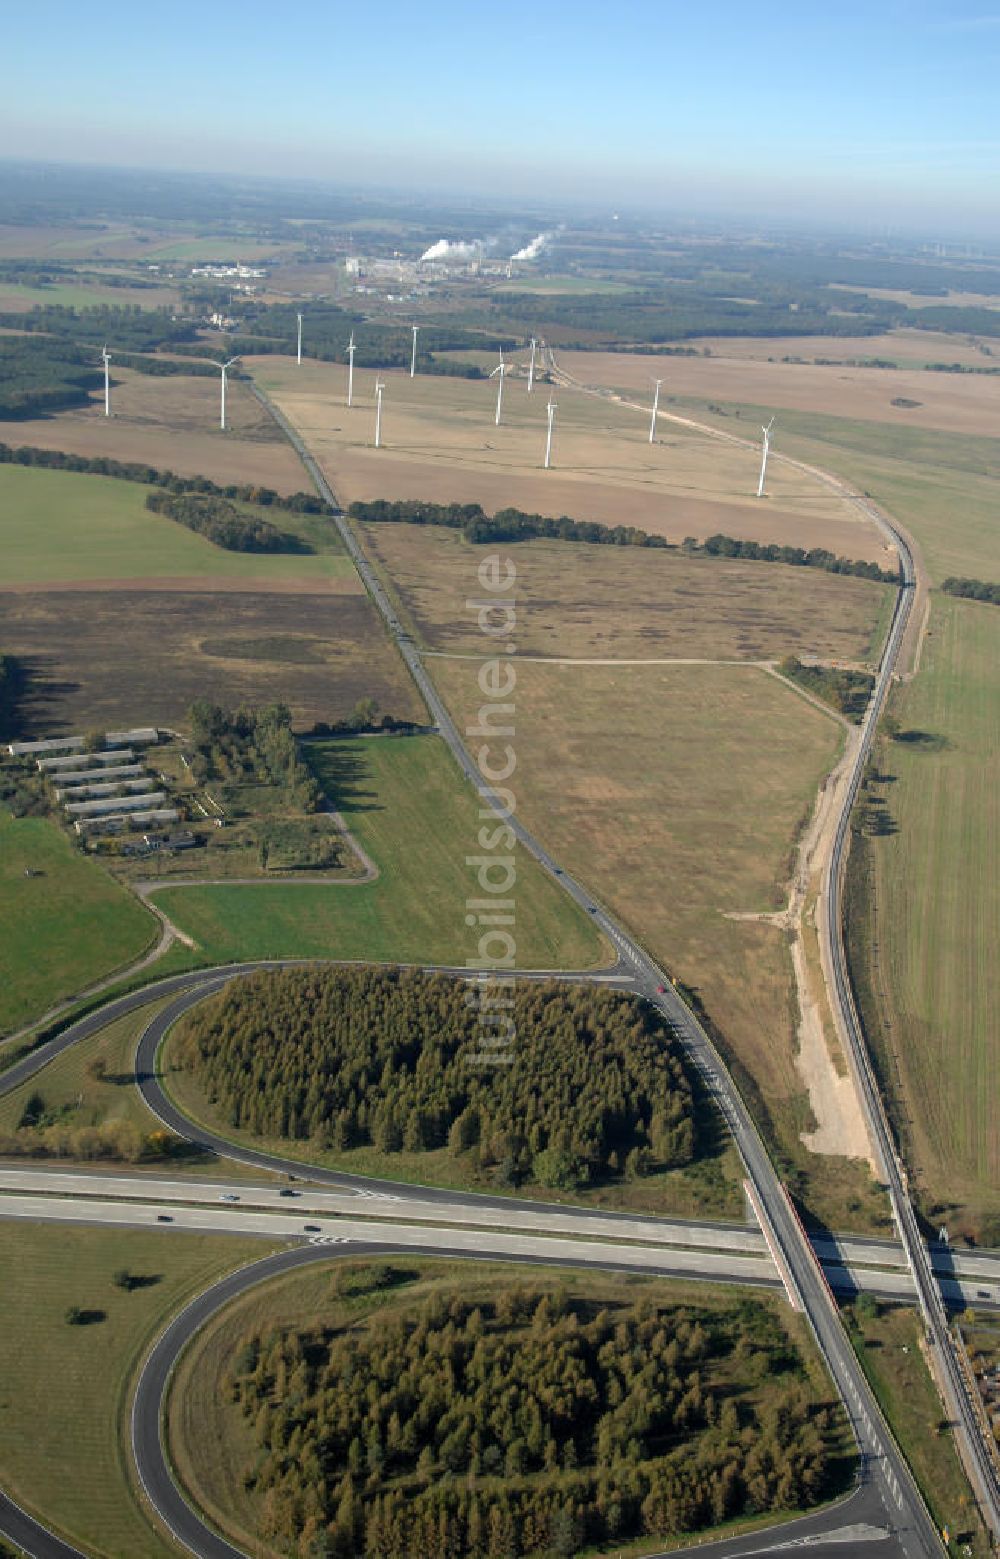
[172,423]
[676,794]
[909,348]
[83,295]
[64,527]
[110,659]
[440,443]
[578,600]
[960,403]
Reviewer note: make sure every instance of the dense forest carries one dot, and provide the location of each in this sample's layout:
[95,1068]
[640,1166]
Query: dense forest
[126,327]
[246,745]
[11,688]
[359,1057]
[42,376]
[848,691]
[221,522]
[531,1424]
[133,471]
[511,525]
[973,589]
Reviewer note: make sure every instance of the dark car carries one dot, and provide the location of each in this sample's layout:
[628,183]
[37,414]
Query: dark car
[312,1228]
[164,1218]
[286,1190]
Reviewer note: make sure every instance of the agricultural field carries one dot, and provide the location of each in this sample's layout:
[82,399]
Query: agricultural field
[63,1411]
[958,403]
[676,793]
[114,656]
[16,298]
[934,915]
[440,444]
[65,927]
[414,815]
[172,423]
[579,600]
[68,528]
[211,1441]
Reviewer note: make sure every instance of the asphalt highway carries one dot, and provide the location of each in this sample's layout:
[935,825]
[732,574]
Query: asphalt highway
[889,1489]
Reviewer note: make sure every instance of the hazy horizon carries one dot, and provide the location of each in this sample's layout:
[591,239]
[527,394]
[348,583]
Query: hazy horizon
[857,119]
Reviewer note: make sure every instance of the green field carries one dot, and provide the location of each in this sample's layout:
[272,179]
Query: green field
[65,1388]
[80,295]
[60,525]
[415,816]
[63,929]
[936,885]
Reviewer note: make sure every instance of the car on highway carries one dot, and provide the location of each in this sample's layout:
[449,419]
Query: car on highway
[227,1196]
[312,1228]
[164,1218]
[286,1190]
[661,990]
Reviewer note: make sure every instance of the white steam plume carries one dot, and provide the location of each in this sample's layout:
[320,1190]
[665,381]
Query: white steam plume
[533,250]
[445,249]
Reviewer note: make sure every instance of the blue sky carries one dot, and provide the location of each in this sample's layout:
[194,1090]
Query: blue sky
[883,112]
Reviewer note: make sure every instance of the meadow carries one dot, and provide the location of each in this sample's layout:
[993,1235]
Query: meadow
[415,816]
[65,927]
[934,916]
[66,1388]
[64,527]
[439,442]
[579,600]
[676,794]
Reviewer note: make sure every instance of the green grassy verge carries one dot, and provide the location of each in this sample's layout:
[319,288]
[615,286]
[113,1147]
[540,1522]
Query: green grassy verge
[413,813]
[65,1388]
[888,1346]
[64,928]
[62,525]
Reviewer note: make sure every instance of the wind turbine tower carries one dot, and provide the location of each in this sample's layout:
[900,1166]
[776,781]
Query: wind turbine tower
[413,354]
[106,355]
[350,369]
[656,407]
[501,369]
[531,366]
[548,440]
[379,387]
[225,367]
[763,460]
[299,354]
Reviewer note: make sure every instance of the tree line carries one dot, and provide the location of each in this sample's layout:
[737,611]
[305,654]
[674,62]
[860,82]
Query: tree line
[220,522]
[151,476]
[380,1058]
[512,525]
[532,1423]
[972,589]
[128,326]
[244,745]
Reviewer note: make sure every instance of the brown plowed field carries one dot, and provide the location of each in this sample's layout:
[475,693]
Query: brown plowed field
[142,656]
[172,423]
[954,403]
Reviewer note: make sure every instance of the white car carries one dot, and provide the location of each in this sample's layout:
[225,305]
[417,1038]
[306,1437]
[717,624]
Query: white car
[227,1196]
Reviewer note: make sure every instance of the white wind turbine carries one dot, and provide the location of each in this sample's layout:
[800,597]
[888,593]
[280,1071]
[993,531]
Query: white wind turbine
[656,407]
[548,441]
[299,353]
[350,370]
[413,354]
[500,369]
[531,366]
[379,387]
[224,368]
[106,355]
[763,460]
